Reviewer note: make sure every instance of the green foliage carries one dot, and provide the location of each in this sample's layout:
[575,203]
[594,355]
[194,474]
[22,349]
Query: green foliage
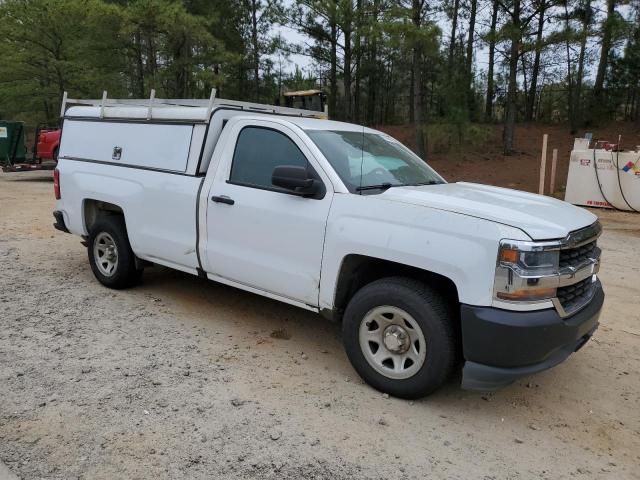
[300,81]
[624,78]
[169,49]
[380,61]
[50,46]
[181,49]
[450,136]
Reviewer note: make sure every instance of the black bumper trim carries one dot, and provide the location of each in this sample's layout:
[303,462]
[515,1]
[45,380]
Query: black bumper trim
[60,225]
[500,346]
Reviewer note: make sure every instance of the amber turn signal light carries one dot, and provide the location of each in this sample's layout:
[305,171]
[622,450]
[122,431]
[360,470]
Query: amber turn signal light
[509,255]
[531,294]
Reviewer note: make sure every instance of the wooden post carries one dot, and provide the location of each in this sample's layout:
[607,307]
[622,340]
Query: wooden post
[554,161]
[543,163]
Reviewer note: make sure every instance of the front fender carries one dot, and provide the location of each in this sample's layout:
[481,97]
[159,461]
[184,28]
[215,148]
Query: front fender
[459,247]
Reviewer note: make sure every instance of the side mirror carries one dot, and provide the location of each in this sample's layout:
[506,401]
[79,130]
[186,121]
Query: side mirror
[293,178]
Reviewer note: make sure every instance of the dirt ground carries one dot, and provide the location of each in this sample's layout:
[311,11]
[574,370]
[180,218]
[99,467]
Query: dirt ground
[184,378]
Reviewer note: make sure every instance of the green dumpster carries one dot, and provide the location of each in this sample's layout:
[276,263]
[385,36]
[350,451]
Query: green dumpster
[12,149]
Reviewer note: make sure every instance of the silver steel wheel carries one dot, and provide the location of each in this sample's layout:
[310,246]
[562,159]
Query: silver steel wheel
[105,254]
[392,342]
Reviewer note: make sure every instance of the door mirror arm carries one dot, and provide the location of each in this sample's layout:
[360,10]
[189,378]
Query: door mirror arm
[296,180]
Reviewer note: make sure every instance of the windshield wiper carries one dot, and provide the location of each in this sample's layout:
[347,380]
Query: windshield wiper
[387,185]
[381,186]
[430,182]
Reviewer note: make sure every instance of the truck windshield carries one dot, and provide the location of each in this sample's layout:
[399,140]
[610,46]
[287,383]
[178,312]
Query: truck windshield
[372,162]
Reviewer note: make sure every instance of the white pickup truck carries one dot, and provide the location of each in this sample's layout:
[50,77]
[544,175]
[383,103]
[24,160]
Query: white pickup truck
[426,276]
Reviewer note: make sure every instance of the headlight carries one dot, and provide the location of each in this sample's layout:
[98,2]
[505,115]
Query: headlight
[526,271]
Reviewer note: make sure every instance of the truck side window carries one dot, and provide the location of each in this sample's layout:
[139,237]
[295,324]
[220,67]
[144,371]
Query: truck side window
[258,151]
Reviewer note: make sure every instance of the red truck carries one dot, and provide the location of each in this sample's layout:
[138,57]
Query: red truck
[48,144]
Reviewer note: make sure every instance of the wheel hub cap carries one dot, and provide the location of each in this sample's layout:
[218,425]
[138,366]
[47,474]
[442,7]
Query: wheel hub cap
[111,254]
[392,342]
[105,253]
[396,339]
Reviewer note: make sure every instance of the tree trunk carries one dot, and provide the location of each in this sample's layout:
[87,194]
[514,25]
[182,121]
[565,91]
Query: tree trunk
[607,32]
[634,106]
[525,88]
[488,109]
[182,59]
[510,118]
[469,65]
[572,119]
[577,109]
[358,53]
[255,47]
[373,82]
[417,78]
[152,64]
[333,67]
[412,94]
[139,65]
[347,73]
[49,110]
[452,38]
[570,112]
[417,108]
[216,85]
[531,98]
[389,110]
[586,22]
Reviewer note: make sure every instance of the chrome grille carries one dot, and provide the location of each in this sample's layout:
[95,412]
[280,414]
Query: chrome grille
[574,257]
[573,297]
[579,252]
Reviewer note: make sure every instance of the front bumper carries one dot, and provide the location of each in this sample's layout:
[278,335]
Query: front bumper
[500,346]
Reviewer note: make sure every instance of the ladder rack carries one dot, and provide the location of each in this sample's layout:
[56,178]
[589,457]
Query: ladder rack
[190,109]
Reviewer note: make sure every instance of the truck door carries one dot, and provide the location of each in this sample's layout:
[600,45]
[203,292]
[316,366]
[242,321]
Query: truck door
[258,235]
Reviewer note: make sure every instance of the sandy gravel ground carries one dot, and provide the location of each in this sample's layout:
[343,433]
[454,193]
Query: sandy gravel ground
[183,378]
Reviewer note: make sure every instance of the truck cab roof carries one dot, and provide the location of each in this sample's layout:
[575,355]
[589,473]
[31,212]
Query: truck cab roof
[311,123]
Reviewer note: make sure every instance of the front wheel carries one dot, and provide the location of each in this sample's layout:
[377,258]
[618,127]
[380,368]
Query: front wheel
[112,261]
[400,337]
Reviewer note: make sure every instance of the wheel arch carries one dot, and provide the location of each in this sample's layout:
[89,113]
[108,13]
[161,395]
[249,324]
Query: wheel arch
[356,271]
[92,209]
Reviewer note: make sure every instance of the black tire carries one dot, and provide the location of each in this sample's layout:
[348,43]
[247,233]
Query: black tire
[125,274]
[435,318]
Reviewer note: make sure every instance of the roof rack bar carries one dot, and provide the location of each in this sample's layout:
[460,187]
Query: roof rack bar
[212,99]
[155,108]
[64,104]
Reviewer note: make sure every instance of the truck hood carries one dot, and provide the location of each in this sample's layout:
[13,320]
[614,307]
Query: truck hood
[540,217]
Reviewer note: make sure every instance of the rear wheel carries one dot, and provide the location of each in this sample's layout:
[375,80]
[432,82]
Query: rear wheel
[399,336]
[112,261]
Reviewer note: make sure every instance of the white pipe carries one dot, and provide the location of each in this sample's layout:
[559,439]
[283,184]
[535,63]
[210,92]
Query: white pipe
[153,96]
[104,100]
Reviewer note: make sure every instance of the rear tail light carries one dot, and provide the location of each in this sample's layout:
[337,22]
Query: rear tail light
[56,183]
